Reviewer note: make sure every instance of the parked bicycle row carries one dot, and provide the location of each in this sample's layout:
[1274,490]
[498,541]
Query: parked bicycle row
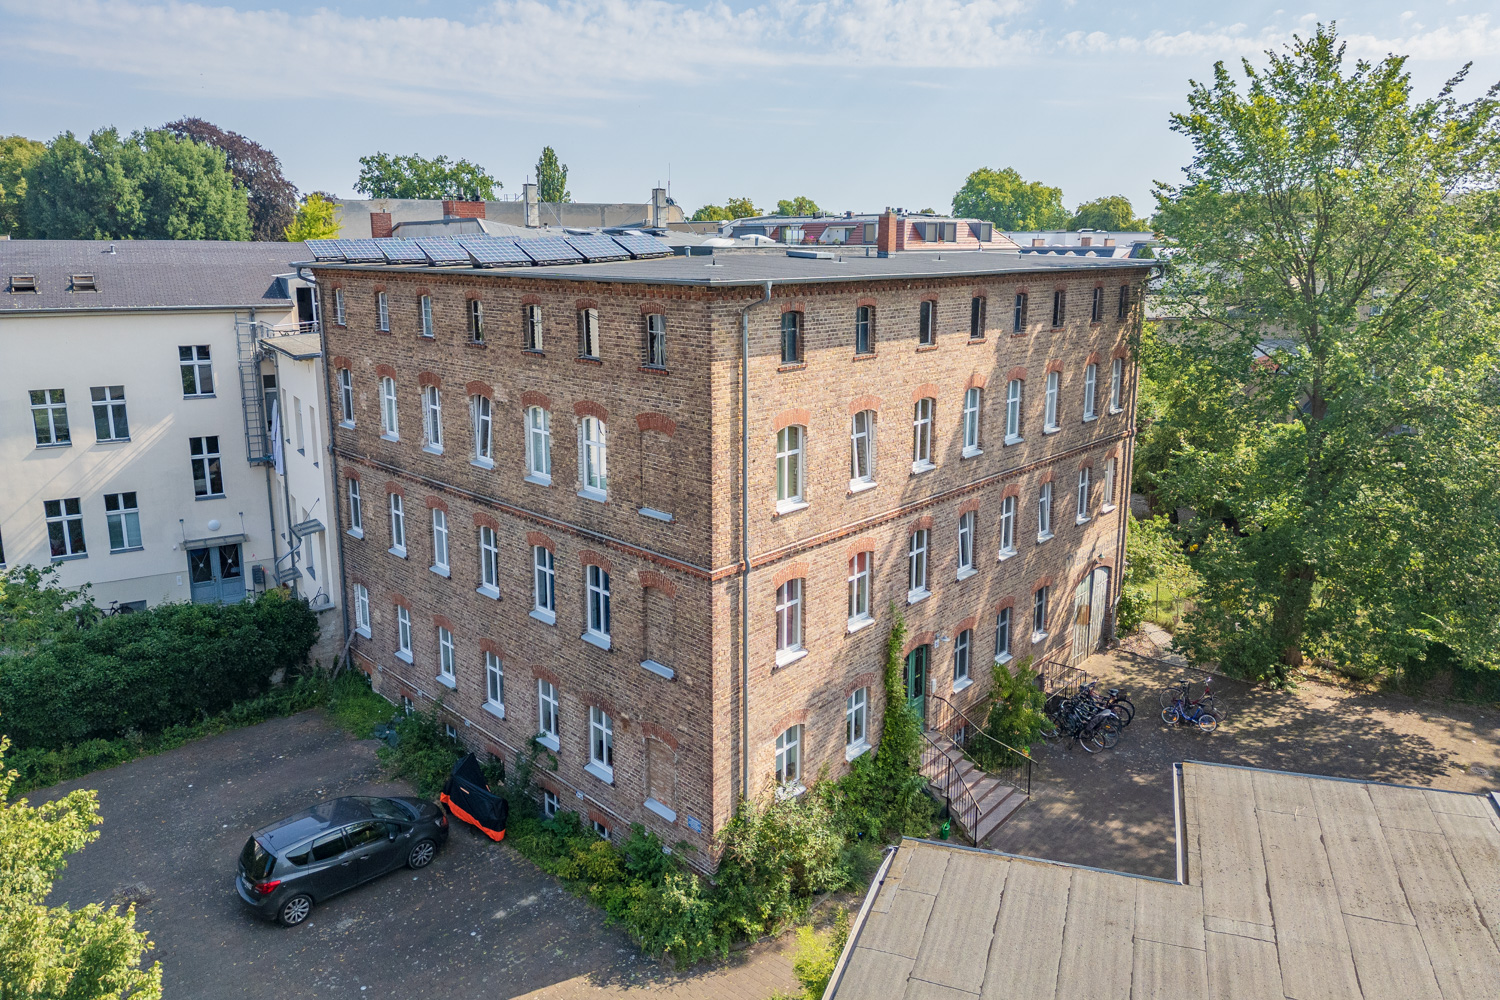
[1096,720]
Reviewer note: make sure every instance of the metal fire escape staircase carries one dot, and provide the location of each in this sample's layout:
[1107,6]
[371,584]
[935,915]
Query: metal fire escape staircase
[248,335]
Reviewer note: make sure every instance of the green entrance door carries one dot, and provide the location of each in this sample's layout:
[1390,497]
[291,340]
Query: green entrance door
[916,680]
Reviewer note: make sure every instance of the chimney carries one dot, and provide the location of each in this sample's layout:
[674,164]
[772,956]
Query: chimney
[1086,241]
[533,214]
[1037,241]
[885,236]
[380,225]
[658,207]
[453,209]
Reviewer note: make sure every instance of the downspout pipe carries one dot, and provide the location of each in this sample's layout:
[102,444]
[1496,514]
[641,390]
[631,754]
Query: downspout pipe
[745,540]
[1127,465]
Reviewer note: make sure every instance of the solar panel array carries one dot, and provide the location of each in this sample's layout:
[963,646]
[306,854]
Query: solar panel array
[551,250]
[402,252]
[642,246]
[362,251]
[325,249]
[483,250]
[492,251]
[596,247]
[442,250]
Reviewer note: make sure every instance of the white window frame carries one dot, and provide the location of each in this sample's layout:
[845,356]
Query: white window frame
[116,418]
[918,552]
[973,399]
[861,580]
[789,761]
[1003,634]
[489,562]
[1085,493]
[549,803]
[597,620]
[1107,487]
[476,321]
[482,422]
[927,323]
[791,468]
[1044,512]
[543,584]
[856,723]
[382,312]
[128,518]
[923,414]
[547,711]
[69,514]
[864,329]
[200,360]
[494,684]
[656,340]
[963,659]
[1014,397]
[539,445]
[346,398]
[446,657]
[1039,614]
[1008,527]
[862,451]
[588,334]
[397,507]
[403,634]
[424,311]
[966,544]
[338,306]
[531,327]
[432,420]
[601,745]
[1049,417]
[356,510]
[390,419]
[593,458]
[1096,306]
[209,457]
[439,542]
[789,646]
[1116,384]
[1090,392]
[362,610]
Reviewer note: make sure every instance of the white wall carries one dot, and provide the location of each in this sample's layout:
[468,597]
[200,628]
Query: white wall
[308,476]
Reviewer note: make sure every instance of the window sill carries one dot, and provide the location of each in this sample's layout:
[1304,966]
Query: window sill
[963,683]
[485,590]
[447,682]
[795,366]
[1117,409]
[860,485]
[966,572]
[1051,430]
[537,480]
[854,750]
[433,449]
[786,657]
[589,360]
[914,596]
[669,815]
[355,532]
[128,548]
[210,496]
[471,342]
[1006,554]
[976,340]
[791,791]
[1090,417]
[917,468]
[399,551]
[498,711]
[347,425]
[442,571]
[1044,538]
[201,395]
[656,369]
[549,741]
[1003,659]
[482,463]
[784,507]
[545,617]
[393,438]
[363,630]
[859,624]
[123,440]
[926,347]
[604,774]
[656,515]
[865,356]
[1014,440]
[76,555]
[659,669]
[1082,519]
[1037,637]
[403,656]
[971,453]
[595,639]
[597,496]
[1107,508]
[535,352]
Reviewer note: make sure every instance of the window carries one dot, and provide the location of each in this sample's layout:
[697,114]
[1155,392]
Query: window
[432,419]
[403,633]
[1059,307]
[362,609]
[338,306]
[439,541]
[483,427]
[1020,321]
[859,588]
[531,327]
[389,427]
[1085,484]
[976,318]
[871,232]
[963,646]
[864,330]
[546,713]
[1049,420]
[1044,513]
[424,310]
[445,655]
[544,593]
[49,412]
[346,397]
[588,333]
[1096,308]
[124,519]
[597,581]
[1039,614]
[356,511]
[966,544]
[591,458]
[538,445]
[65,527]
[791,337]
[197,370]
[916,565]
[927,324]
[1116,381]
[1002,635]
[494,680]
[109,413]
[656,340]
[972,398]
[1013,411]
[1124,308]
[921,435]
[1007,527]
[789,622]
[1090,391]
[208,477]
[601,830]
[789,446]
[270,393]
[476,321]
[398,525]
[549,804]
[862,450]
[856,719]
[1107,486]
[489,562]
[382,313]
[789,758]
[601,743]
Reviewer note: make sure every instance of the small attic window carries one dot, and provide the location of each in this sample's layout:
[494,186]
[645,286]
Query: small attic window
[23,282]
[84,283]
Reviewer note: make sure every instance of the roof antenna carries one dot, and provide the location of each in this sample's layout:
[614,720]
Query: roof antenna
[111,248]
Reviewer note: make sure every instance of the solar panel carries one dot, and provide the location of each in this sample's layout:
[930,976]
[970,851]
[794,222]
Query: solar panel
[596,247]
[399,251]
[325,249]
[491,251]
[362,251]
[550,250]
[442,250]
[642,246]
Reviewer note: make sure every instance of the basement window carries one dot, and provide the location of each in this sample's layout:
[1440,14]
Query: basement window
[23,282]
[84,283]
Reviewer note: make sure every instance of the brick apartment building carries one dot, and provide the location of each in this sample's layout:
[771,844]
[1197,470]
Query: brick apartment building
[543,494]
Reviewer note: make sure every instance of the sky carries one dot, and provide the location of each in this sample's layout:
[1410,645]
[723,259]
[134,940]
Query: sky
[858,104]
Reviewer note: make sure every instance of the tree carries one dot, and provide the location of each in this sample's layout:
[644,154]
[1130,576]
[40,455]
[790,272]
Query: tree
[1002,197]
[1347,506]
[273,198]
[551,177]
[314,220]
[384,176]
[1112,213]
[151,185]
[711,213]
[800,205]
[92,953]
[17,155]
[741,208]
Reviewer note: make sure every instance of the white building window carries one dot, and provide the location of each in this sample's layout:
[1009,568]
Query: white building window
[440,541]
[1107,486]
[398,525]
[963,650]
[445,655]
[859,589]
[49,417]
[1044,513]
[862,451]
[790,443]
[531,327]
[601,744]
[424,308]
[927,324]
[966,544]
[197,370]
[592,467]
[916,566]
[208,475]
[1090,390]
[921,435]
[1049,422]
[1039,614]
[1013,411]
[789,759]
[789,622]
[544,592]
[346,397]
[597,594]
[338,306]
[588,333]
[476,321]
[389,427]
[1002,635]
[1007,527]
[356,511]
[856,721]
[110,423]
[483,427]
[494,681]
[65,527]
[1085,485]
[549,804]
[362,610]
[656,340]
[432,419]
[382,312]
[546,714]
[538,446]
[403,633]
[489,562]
[1116,382]
[972,399]
[124,520]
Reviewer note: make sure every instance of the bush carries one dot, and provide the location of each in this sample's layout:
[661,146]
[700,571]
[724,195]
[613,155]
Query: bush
[424,753]
[818,953]
[1015,718]
[1131,610]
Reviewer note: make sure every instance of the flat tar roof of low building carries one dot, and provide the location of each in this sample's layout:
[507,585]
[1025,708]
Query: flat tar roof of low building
[1295,886]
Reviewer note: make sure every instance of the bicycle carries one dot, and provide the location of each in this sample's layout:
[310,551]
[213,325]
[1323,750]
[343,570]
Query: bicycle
[1080,717]
[1179,692]
[1200,712]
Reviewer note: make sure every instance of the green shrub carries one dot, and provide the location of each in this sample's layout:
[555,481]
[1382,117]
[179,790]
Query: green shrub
[424,753]
[1015,718]
[355,706]
[818,953]
[1131,610]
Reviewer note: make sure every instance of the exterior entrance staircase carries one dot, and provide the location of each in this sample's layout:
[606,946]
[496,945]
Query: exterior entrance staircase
[978,801]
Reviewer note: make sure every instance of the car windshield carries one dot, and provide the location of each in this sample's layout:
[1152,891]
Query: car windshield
[256,861]
[388,808]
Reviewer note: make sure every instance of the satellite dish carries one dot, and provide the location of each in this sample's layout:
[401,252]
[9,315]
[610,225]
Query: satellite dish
[213,525]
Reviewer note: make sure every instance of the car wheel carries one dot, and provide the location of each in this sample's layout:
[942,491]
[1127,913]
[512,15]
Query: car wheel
[295,910]
[421,854]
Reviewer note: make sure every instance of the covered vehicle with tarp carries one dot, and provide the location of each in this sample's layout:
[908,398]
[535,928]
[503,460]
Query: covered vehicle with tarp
[468,797]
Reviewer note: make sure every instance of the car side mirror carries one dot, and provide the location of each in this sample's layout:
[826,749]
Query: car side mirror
[390,833]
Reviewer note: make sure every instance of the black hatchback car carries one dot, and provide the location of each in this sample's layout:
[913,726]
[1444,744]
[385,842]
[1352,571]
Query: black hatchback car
[296,862]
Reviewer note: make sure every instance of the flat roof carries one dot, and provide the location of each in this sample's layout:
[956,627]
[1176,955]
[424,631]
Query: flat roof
[743,267]
[297,346]
[1296,886]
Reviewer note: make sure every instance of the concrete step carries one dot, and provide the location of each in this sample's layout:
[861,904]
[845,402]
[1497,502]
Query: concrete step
[989,824]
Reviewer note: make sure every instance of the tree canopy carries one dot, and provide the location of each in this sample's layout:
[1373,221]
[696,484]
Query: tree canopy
[385,176]
[1332,264]
[273,198]
[1112,212]
[800,205]
[1002,197]
[314,220]
[734,208]
[150,185]
[551,177]
[17,155]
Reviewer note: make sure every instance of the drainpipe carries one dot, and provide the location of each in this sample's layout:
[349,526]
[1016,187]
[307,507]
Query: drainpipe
[335,517]
[270,493]
[745,541]
[1127,468]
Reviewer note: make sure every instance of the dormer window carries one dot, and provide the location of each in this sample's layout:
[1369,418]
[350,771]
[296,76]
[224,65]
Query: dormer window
[84,283]
[939,232]
[23,282]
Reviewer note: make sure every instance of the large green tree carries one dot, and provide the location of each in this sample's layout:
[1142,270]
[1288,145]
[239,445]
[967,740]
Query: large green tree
[800,205]
[1333,267]
[734,208]
[1112,212]
[551,177]
[17,155]
[149,185]
[385,176]
[273,198]
[315,220]
[1002,197]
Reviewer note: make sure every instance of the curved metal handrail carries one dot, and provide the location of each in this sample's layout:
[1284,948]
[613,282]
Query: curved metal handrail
[970,726]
